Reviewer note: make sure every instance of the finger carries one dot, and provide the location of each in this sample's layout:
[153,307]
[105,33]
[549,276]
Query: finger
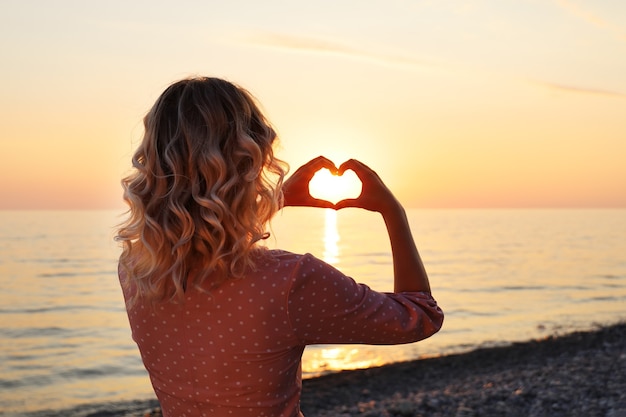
[347,203]
[366,174]
[322,162]
[355,165]
[315,203]
[322,203]
[349,164]
[308,170]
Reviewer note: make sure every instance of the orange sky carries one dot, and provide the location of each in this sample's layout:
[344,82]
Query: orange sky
[475,104]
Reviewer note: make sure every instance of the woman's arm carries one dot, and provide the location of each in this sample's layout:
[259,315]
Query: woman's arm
[409,272]
[326,306]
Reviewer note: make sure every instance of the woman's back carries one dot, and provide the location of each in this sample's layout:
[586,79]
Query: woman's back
[228,349]
[236,350]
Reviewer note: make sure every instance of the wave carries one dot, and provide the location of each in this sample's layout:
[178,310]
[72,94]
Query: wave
[49,309]
[67,274]
[461,312]
[53,331]
[135,408]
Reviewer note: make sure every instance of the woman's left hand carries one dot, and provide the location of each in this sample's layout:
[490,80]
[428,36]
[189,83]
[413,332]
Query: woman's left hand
[296,188]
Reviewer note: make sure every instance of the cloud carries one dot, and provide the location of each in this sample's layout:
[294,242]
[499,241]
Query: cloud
[325,46]
[617,30]
[581,90]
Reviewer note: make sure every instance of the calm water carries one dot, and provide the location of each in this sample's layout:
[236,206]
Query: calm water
[500,276]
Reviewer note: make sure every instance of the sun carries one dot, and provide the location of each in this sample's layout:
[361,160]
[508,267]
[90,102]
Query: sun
[334,188]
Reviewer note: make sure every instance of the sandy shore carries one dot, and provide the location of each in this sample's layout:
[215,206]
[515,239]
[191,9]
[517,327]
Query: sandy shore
[580,374]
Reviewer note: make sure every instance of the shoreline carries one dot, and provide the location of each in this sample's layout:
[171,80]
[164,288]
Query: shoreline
[577,374]
[581,373]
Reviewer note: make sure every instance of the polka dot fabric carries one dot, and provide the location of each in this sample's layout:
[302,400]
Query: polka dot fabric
[236,350]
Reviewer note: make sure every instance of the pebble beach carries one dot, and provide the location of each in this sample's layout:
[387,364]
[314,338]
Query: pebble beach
[579,374]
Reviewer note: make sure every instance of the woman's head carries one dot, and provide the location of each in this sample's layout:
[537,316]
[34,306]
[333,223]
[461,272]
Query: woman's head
[205,184]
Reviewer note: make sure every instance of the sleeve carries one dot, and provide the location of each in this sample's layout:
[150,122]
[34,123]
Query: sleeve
[325,306]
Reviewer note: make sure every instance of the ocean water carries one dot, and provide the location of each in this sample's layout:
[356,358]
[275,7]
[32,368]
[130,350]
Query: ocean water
[500,275]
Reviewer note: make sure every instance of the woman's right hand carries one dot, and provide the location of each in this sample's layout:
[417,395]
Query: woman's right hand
[375,196]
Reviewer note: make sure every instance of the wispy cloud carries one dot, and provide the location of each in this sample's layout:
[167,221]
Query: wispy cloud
[619,31]
[326,46]
[581,90]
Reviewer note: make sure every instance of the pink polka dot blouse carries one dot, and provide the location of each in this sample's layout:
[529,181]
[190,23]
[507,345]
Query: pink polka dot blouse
[236,350]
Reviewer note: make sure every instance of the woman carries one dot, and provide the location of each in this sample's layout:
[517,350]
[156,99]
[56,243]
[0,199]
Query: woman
[220,320]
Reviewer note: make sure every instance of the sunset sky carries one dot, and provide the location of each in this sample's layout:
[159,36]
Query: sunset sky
[492,103]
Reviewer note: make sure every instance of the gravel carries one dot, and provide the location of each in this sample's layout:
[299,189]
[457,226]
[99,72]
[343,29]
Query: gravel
[580,374]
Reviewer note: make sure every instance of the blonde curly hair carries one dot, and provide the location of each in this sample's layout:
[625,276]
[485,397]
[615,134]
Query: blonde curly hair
[205,184]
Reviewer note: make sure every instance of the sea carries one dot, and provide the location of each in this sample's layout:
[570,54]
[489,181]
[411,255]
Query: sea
[500,275]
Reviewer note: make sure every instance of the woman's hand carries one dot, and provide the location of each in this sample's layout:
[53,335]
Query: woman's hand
[375,196]
[296,188]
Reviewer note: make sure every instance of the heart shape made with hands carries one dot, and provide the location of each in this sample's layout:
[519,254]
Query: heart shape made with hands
[326,186]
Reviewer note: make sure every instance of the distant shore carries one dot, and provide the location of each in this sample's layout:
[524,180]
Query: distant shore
[579,374]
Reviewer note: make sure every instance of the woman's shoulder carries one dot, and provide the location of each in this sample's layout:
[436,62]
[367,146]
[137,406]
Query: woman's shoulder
[291,263]
[268,259]
[272,257]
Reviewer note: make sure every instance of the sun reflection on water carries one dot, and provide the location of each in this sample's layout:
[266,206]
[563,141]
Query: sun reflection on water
[337,358]
[331,238]
[340,358]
